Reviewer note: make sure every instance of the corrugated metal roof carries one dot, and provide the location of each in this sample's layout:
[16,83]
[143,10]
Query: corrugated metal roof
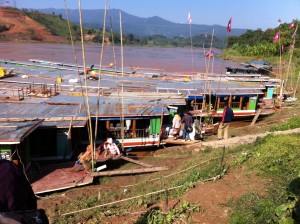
[112,107]
[36,110]
[64,124]
[144,94]
[15,132]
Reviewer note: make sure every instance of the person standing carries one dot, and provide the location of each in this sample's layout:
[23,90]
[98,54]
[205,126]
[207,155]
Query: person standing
[176,126]
[18,203]
[187,120]
[227,117]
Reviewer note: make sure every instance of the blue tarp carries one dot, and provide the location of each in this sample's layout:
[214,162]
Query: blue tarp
[197,97]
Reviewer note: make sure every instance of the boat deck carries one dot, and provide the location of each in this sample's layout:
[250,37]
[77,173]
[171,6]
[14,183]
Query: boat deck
[56,177]
[179,141]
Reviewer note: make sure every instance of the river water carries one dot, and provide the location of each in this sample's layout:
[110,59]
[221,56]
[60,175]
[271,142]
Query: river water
[168,59]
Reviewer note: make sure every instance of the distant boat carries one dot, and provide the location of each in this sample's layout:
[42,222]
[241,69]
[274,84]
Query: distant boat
[262,67]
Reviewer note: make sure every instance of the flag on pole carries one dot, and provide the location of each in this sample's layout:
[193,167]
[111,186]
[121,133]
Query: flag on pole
[276,37]
[189,18]
[292,25]
[229,25]
[279,22]
[211,53]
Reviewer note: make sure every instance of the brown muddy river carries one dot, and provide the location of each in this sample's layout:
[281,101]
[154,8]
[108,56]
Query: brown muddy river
[168,59]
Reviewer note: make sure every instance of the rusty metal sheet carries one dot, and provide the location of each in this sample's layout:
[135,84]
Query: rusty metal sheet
[15,132]
[59,177]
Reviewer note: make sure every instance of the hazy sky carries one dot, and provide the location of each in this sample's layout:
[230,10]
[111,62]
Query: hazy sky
[249,14]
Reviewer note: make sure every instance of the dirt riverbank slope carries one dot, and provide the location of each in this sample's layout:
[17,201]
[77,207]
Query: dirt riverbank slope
[15,26]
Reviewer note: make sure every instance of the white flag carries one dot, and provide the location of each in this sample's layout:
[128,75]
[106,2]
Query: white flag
[189,18]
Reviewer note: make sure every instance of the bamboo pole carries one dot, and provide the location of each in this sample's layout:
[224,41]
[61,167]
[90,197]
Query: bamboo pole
[99,73]
[122,90]
[296,85]
[86,89]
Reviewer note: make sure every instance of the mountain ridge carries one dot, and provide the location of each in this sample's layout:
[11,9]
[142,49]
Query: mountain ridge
[138,26]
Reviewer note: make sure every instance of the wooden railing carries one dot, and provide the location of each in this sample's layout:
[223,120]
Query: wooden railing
[138,133]
[18,92]
[40,88]
[197,106]
[232,105]
[235,105]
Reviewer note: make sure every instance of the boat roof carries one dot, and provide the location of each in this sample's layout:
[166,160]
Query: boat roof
[260,62]
[112,107]
[14,132]
[144,93]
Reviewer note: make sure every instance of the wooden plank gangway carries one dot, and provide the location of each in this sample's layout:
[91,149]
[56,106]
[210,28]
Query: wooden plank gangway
[136,161]
[256,116]
[129,171]
[179,141]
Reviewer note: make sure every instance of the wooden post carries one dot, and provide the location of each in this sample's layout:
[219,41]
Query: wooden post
[230,101]
[222,160]
[167,199]
[99,195]
[133,128]
[107,125]
[256,116]
[161,122]
[107,131]
[241,101]
[203,103]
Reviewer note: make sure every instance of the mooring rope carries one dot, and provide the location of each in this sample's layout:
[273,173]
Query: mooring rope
[139,196]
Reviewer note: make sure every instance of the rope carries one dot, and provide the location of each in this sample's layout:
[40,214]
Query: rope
[17,151]
[114,50]
[219,83]
[77,64]
[290,59]
[139,196]
[182,171]
[74,50]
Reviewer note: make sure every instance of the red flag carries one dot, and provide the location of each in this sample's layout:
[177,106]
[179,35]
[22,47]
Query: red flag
[277,37]
[210,54]
[229,25]
[292,25]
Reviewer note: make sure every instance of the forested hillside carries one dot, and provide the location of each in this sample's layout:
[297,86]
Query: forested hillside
[260,43]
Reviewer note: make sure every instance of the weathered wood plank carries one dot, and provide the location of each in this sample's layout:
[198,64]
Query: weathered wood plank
[136,161]
[256,116]
[126,172]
